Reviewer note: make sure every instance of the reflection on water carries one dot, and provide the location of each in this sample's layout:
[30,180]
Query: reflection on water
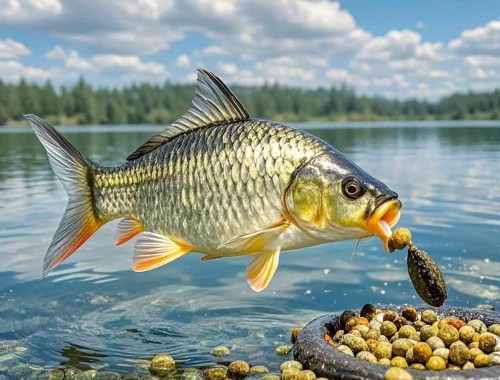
[94,312]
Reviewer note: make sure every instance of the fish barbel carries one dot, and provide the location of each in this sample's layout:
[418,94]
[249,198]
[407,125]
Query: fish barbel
[220,183]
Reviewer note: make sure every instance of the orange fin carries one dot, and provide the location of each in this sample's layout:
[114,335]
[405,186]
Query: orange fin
[154,250]
[255,241]
[127,229]
[261,269]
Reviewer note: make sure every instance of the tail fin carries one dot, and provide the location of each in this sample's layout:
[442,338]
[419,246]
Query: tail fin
[79,221]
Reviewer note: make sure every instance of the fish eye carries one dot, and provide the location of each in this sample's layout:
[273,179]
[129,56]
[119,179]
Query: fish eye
[352,188]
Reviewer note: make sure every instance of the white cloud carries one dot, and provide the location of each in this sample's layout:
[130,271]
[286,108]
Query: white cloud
[127,63]
[13,71]
[105,62]
[24,11]
[228,68]
[213,50]
[10,49]
[484,40]
[183,60]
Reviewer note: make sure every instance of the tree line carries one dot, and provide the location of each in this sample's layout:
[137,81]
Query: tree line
[163,103]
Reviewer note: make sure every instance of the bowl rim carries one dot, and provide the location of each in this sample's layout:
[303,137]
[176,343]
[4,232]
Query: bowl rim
[316,354]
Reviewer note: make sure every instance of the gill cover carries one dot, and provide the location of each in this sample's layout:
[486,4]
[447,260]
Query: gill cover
[306,198]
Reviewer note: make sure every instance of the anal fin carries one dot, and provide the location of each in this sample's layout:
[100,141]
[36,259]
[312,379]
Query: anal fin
[154,250]
[261,269]
[127,229]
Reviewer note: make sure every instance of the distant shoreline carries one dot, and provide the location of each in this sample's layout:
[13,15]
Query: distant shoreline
[312,124]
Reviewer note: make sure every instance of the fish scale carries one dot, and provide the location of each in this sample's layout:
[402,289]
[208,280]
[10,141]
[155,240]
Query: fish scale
[191,209]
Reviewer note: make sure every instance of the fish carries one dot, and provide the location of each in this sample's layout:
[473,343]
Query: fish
[221,183]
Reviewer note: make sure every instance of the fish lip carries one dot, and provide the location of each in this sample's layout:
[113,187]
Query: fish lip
[383,218]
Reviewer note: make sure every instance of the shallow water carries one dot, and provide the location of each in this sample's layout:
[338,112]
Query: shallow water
[94,312]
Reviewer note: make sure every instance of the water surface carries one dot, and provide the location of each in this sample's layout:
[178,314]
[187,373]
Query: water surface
[94,312]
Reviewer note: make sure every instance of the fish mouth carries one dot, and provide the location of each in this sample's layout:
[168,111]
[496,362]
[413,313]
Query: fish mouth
[383,219]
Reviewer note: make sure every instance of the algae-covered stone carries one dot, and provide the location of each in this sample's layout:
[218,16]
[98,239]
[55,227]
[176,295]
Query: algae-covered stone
[258,370]
[410,313]
[290,374]
[307,375]
[468,365]
[466,333]
[459,353]
[345,350]
[473,352]
[436,363]
[295,334]
[368,311]
[290,364]
[384,361]
[345,317]
[478,325]
[494,329]
[399,361]
[388,329]
[283,350]
[487,342]
[192,374]
[271,377]
[355,343]
[408,332]
[71,372]
[427,332]
[417,366]
[448,334]
[108,375]
[409,356]
[400,322]
[366,356]
[428,316]
[422,352]
[220,351]
[55,374]
[383,350]
[238,369]
[372,344]
[418,325]
[218,372]
[442,352]
[435,342]
[482,360]
[400,346]
[390,315]
[162,365]
[396,373]
[372,334]
[495,358]
[86,375]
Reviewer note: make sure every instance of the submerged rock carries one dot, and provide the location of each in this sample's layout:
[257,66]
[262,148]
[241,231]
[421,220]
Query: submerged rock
[220,351]
[162,365]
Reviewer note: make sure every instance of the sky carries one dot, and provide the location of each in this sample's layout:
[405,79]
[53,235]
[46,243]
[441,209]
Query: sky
[411,48]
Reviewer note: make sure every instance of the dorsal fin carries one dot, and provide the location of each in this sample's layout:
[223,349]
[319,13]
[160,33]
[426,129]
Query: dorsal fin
[213,104]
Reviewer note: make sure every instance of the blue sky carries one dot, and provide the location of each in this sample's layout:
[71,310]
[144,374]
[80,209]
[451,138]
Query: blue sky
[394,48]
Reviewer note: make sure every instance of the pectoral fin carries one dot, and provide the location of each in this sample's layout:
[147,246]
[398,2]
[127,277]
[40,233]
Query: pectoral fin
[261,269]
[154,250]
[255,241]
[127,229]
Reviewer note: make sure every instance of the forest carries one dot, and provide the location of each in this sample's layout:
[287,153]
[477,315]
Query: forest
[159,104]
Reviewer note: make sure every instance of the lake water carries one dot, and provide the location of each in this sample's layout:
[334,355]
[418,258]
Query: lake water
[95,312]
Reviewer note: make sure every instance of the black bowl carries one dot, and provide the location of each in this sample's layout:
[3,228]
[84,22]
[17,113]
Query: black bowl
[316,354]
